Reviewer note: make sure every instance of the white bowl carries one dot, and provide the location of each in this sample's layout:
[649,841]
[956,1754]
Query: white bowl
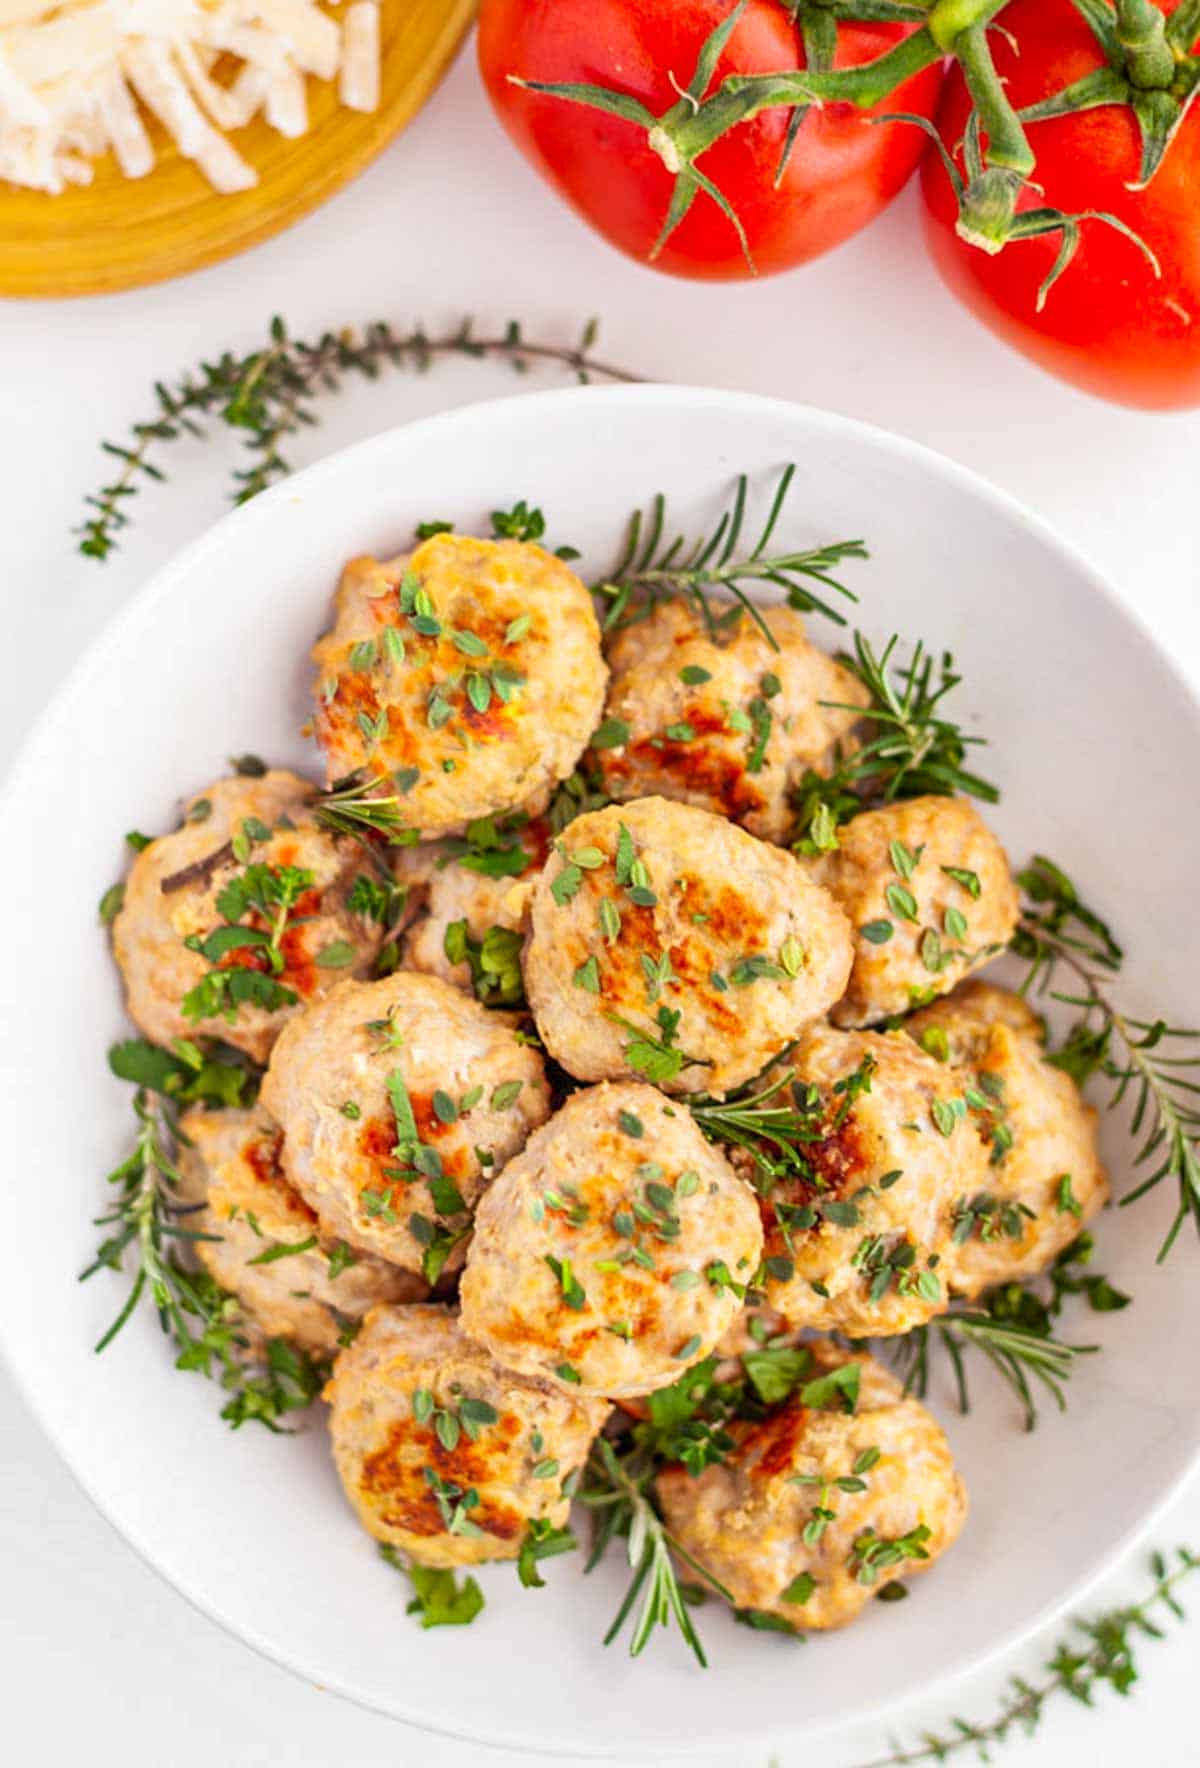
[1097,746]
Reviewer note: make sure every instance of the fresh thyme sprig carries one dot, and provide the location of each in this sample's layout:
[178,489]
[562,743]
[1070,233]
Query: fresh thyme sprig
[913,748]
[1103,1651]
[1153,1067]
[618,1490]
[146,1215]
[149,1219]
[651,571]
[270,394]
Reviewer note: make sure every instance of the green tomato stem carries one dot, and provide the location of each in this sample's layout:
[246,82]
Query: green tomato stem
[1142,31]
[1008,145]
[987,209]
[743,95]
[948,19]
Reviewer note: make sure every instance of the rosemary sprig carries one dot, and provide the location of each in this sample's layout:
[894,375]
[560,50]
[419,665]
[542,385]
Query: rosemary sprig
[270,394]
[651,570]
[1102,1651]
[361,804]
[619,1492]
[1018,1353]
[148,1219]
[914,748]
[773,1121]
[1153,1067]
[1014,1330]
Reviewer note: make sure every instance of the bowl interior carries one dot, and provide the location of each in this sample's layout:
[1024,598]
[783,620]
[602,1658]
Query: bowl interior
[211,660]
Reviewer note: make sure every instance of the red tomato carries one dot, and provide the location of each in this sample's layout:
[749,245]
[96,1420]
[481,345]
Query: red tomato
[1109,324]
[843,169]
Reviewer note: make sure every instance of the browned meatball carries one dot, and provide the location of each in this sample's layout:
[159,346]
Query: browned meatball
[929,894]
[718,717]
[859,1245]
[658,928]
[266,1246]
[441,1451]
[1046,1181]
[816,1508]
[470,672]
[612,1252]
[234,949]
[399,1100]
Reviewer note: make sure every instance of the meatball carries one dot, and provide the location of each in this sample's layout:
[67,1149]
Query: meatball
[612,1252]
[399,1100]
[666,941]
[270,1250]
[469,930]
[722,719]
[930,897]
[443,1453]
[471,672]
[1046,1181]
[234,948]
[817,1509]
[859,1244]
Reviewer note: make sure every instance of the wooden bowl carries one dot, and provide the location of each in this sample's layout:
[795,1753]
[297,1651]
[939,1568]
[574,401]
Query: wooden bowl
[119,233]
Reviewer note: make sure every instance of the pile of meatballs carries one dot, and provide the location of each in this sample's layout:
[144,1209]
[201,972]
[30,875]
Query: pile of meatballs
[500,1224]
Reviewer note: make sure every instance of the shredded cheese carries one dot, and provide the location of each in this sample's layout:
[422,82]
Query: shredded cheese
[77,79]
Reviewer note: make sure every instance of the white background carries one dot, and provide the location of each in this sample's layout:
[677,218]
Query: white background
[100,1658]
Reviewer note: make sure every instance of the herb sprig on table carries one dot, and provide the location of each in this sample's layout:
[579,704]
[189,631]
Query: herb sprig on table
[270,394]
[1101,1652]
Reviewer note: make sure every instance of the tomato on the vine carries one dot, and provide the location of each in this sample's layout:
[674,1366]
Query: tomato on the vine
[843,166]
[1116,322]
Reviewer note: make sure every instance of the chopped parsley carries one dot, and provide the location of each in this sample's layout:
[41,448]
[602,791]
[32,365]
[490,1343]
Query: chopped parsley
[494,962]
[587,976]
[541,1541]
[439,1599]
[612,734]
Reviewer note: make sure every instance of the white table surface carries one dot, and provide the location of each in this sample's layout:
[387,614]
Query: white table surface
[101,1659]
